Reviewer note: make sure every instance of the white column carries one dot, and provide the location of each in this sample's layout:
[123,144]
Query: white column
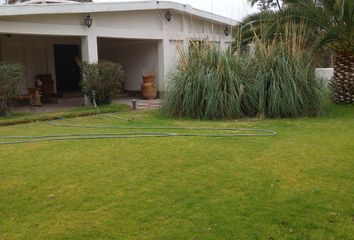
[251,49]
[89,48]
[185,34]
[163,63]
[223,44]
[89,53]
[225,41]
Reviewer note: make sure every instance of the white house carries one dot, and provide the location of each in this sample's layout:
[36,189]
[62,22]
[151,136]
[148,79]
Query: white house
[143,36]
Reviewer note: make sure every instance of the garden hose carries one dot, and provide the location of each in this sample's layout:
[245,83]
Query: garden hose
[6,140]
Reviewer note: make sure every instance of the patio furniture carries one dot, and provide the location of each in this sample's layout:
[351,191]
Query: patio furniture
[47,88]
[33,97]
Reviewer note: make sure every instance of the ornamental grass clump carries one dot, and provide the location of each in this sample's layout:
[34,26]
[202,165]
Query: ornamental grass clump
[276,81]
[287,86]
[285,80]
[210,84]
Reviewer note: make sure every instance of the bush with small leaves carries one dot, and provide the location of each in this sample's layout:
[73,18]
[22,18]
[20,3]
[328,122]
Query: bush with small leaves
[105,77]
[11,75]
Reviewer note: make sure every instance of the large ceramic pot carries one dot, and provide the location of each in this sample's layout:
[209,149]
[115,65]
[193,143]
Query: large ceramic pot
[148,88]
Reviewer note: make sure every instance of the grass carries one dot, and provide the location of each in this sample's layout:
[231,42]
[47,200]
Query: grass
[297,185]
[18,118]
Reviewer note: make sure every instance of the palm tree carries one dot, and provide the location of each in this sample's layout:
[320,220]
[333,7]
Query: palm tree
[331,26]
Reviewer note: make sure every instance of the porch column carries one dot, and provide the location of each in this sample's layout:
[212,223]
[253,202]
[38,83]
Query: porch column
[89,53]
[163,63]
[185,22]
[89,48]
[225,41]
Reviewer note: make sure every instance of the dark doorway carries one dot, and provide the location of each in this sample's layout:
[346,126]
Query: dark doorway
[66,70]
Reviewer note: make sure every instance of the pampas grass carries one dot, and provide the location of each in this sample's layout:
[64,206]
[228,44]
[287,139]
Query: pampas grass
[285,80]
[286,85]
[277,81]
[209,84]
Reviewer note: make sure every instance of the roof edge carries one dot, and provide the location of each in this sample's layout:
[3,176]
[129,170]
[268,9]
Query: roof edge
[92,7]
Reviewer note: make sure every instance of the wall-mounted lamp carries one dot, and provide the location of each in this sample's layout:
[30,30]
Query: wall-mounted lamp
[227,31]
[88,21]
[168,16]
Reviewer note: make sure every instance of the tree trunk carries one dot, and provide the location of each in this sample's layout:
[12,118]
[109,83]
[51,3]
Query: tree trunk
[342,83]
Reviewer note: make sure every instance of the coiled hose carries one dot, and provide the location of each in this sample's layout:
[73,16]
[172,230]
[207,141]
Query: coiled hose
[6,140]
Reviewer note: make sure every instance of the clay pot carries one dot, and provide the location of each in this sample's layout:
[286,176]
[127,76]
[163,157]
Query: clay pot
[148,88]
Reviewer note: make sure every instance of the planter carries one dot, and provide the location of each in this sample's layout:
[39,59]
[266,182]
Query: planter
[148,88]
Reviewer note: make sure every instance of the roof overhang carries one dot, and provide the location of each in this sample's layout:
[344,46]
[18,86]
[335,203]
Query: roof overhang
[94,7]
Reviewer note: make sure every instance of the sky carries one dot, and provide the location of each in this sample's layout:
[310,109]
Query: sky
[236,9]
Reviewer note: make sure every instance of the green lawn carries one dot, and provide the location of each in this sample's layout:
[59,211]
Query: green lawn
[296,185]
[41,116]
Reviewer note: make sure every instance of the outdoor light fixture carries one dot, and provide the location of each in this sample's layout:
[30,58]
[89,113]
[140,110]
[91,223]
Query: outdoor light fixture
[88,21]
[168,16]
[227,31]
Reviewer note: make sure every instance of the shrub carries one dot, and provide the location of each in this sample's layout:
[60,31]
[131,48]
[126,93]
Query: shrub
[104,77]
[11,76]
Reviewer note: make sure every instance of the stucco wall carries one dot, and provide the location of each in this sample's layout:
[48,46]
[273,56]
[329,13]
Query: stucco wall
[67,19]
[325,74]
[128,20]
[174,54]
[198,26]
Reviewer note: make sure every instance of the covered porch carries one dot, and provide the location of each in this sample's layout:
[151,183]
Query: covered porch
[54,60]
[48,58]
